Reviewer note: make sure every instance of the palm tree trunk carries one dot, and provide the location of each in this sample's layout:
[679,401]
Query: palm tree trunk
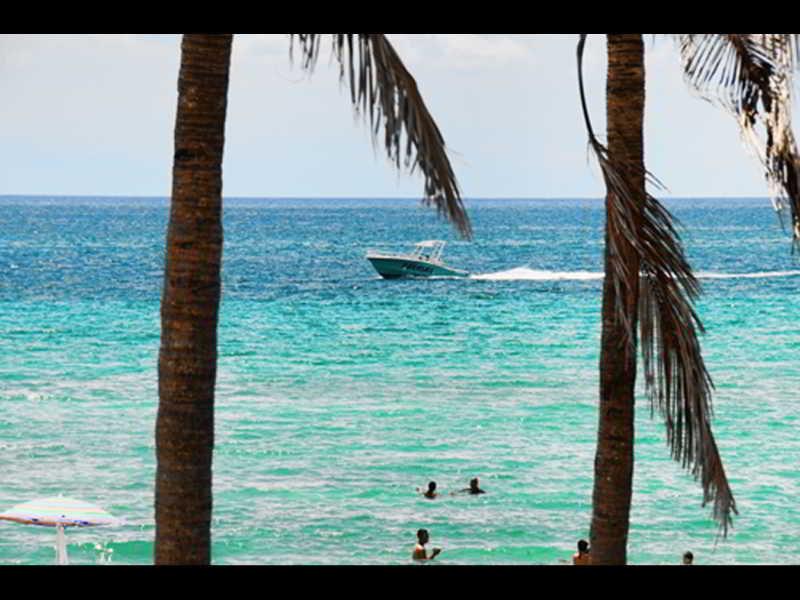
[613,471]
[187,362]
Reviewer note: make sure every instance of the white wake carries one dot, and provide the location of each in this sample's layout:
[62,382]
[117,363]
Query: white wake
[527,274]
[524,273]
[762,275]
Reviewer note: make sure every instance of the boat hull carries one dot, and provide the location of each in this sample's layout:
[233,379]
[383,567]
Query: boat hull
[396,268]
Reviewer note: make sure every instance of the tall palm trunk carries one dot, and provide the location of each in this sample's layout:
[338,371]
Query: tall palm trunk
[613,476]
[190,305]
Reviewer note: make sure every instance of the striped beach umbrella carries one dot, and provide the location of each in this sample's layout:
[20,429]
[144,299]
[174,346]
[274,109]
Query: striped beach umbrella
[59,512]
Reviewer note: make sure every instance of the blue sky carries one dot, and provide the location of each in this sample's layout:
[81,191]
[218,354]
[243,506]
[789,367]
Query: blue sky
[94,115]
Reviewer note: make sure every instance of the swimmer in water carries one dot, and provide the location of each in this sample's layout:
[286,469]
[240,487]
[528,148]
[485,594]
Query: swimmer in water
[431,492]
[688,558]
[582,556]
[473,487]
[419,550]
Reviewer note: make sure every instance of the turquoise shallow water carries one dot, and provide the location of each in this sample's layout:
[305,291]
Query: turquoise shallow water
[340,393]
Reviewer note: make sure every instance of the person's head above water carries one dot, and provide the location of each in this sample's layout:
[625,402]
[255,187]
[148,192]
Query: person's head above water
[432,486]
[583,546]
[473,483]
[688,558]
[422,536]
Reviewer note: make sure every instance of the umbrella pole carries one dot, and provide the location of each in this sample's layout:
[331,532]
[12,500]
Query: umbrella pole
[61,546]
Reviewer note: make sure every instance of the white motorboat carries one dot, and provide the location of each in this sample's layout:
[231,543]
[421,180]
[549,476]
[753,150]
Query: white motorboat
[424,261]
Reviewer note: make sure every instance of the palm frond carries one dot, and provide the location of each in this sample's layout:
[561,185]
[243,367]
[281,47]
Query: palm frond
[381,87]
[750,75]
[676,380]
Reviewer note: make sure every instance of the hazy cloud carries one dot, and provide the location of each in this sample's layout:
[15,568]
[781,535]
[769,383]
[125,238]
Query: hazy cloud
[95,114]
[465,51]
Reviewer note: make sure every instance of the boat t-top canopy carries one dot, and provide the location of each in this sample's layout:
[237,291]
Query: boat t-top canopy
[430,250]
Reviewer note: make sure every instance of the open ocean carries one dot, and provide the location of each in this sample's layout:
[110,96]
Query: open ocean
[339,393]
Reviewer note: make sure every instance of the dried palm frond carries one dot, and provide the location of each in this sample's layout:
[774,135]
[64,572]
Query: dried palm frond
[676,380]
[750,75]
[382,87]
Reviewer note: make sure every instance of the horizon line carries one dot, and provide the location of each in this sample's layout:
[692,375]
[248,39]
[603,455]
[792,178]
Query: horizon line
[237,197]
